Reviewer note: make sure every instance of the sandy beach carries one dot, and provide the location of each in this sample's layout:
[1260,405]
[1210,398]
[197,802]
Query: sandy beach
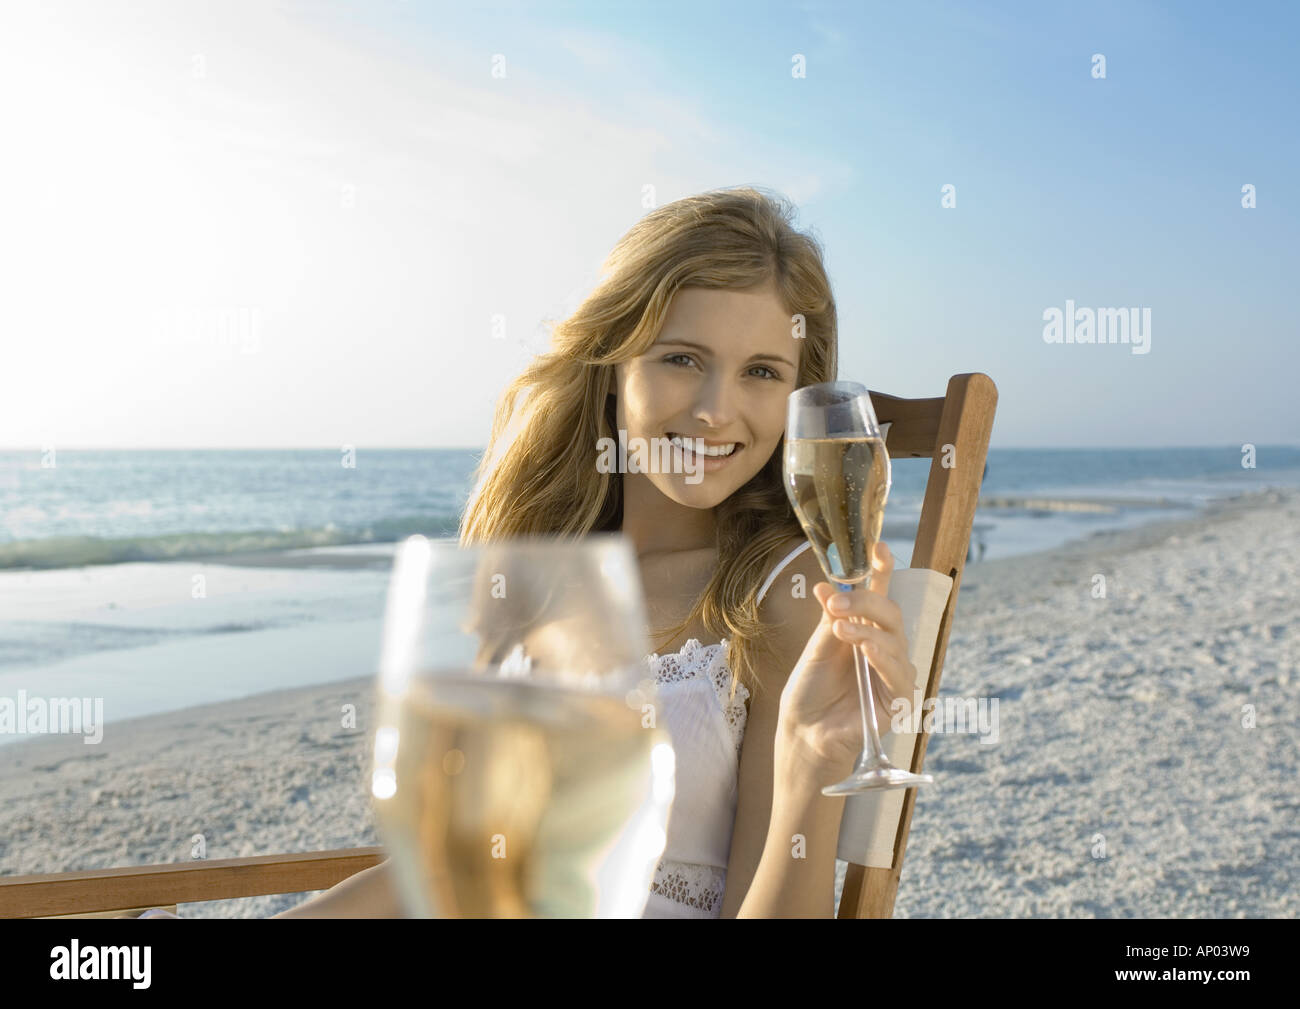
[1123,784]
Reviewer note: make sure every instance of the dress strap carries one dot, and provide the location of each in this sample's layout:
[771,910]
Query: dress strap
[777,570]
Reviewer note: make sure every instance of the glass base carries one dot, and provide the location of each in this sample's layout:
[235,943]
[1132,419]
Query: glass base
[875,778]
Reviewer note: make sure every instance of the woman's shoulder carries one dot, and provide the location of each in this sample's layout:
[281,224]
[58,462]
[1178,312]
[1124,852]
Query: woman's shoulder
[789,596]
[789,545]
[790,555]
[789,611]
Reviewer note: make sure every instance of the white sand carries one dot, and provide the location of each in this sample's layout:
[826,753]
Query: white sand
[264,775]
[1122,717]
[1119,717]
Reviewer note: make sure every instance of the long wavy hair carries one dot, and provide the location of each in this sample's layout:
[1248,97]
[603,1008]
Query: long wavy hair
[538,476]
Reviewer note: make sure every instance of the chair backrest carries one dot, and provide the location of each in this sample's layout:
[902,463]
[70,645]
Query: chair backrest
[952,431]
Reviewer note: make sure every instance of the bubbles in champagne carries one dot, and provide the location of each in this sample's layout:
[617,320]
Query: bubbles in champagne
[838,488]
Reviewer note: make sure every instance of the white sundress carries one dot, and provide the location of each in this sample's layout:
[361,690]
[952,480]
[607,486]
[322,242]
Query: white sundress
[707,728]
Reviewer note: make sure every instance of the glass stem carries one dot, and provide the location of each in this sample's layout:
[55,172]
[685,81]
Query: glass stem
[873,754]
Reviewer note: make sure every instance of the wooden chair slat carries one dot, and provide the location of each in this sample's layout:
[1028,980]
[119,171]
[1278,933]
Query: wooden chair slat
[145,886]
[915,424]
[964,421]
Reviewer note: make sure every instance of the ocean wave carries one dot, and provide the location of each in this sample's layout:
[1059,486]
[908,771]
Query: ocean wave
[78,551]
[40,643]
[1096,505]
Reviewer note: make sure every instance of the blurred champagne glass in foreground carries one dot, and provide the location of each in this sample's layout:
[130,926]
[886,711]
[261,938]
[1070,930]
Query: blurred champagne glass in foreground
[517,768]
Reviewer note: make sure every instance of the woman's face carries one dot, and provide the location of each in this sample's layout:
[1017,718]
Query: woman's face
[722,369]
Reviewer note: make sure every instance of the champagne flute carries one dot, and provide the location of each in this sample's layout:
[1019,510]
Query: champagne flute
[837,477]
[515,771]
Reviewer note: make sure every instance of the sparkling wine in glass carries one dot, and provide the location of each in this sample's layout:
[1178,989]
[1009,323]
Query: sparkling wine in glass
[515,771]
[837,477]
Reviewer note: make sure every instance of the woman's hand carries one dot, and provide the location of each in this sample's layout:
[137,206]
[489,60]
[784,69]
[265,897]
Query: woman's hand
[821,715]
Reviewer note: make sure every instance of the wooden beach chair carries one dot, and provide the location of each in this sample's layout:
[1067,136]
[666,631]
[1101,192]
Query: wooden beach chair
[952,431]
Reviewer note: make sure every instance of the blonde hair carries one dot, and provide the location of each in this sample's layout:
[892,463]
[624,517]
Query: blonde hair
[538,476]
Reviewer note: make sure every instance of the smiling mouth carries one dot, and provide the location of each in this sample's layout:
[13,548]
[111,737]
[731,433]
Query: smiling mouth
[724,451]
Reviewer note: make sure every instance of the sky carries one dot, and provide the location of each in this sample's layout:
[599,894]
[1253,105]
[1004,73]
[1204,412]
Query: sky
[256,224]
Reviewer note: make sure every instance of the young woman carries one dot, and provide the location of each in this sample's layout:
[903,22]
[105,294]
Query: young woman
[712,310]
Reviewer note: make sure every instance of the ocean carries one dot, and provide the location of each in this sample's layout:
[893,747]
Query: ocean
[96,507]
[162,579]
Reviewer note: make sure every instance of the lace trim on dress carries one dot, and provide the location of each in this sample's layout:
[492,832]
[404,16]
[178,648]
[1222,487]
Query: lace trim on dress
[699,886]
[709,661]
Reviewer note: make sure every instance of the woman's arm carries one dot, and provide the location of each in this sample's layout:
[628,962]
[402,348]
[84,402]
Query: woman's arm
[369,893]
[795,877]
[782,860]
[769,802]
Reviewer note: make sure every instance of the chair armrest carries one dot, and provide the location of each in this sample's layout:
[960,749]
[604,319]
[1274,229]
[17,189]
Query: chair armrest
[145,886]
